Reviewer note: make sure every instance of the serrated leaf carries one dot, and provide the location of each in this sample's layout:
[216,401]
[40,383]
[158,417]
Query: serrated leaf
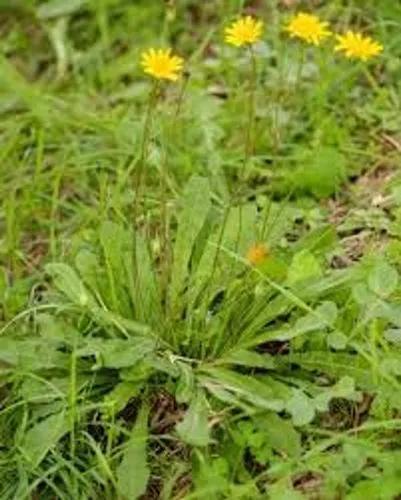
[133,472]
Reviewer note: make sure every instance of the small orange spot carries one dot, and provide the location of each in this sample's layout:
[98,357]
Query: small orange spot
[257,254]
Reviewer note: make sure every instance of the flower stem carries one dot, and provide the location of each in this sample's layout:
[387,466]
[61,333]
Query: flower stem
[249,143]
[248,150]
[249,146]
[137,179]
[166,251]
[139,170]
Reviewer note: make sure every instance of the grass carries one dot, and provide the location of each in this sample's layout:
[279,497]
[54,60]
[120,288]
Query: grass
[143,353]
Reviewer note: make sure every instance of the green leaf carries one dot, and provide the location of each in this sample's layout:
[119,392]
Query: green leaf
[43,436]
[55,8]
[344,389]
[68,282]
[185,385]
[194,428]
[89,268]
[32,355]
[336,365]
[145,289]
[393,335]
[266,393]
[283,490]
[118,398]
[280,434]
[55,329]
[321,240]
[3,284]
[301,408]
[133,472]
[382,488]
[323,317]
[239,230]
[278,220]
[116,244]
[362,295]
[337,340]
[320,171]
[118,353]
[392,364]
[383,280]
[243,357]
[123,324]
[226,235]
[44,390]
[304,266]
[195,207]
[211,478]
[356,455]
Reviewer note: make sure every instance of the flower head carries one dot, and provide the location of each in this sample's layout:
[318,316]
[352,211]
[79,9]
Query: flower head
[308,28]
[161,64]
[356,46]
[257,254]
[244,31]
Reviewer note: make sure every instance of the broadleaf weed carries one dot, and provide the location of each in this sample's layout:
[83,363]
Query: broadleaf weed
[187,308]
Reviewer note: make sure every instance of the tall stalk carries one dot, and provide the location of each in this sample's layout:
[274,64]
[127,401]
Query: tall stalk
[166,251]
[138,178]
[140,167]
[249,139]
[249,134]
[248,150]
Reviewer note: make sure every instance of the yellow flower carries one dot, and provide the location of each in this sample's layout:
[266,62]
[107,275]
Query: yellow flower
[308,28]
[161,64]
[244,31]
[357,46]
[257,254]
